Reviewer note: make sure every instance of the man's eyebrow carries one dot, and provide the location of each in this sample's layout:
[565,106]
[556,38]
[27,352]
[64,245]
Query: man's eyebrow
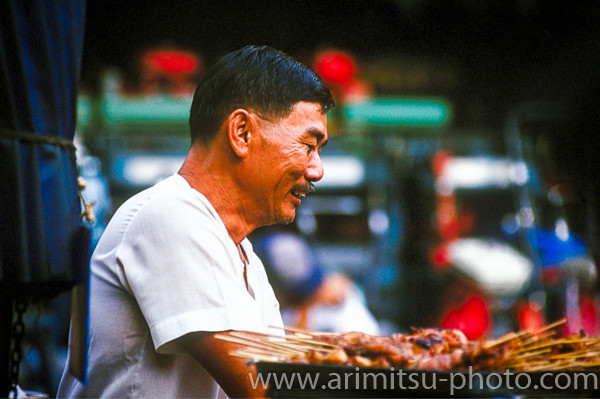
[318,135]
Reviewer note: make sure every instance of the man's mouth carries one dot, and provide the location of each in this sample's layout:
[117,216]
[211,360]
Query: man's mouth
[299,194]
[302,191]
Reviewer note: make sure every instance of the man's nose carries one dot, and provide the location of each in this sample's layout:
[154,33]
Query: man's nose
[314,170]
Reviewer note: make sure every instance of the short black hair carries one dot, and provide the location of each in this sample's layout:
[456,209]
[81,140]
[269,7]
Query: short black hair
[262,79]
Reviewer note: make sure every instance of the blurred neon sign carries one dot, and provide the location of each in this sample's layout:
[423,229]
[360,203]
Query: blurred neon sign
[408,112]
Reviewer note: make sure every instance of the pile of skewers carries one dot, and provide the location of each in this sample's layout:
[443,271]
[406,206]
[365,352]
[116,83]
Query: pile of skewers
[425,349]
[543,351]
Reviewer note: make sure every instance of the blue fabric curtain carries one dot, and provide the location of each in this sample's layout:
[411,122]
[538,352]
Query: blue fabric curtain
[43,244]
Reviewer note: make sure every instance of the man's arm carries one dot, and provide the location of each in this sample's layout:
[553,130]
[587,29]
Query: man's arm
[230,372]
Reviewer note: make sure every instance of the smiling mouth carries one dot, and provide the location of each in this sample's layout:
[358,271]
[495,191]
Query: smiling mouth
[303,190]
[299,194]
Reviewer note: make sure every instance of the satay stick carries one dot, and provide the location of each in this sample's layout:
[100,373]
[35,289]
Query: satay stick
[252,335]
[296,330]
[531,340]
[257,344]
[531,354]
[266,357]
[282,346]
[593,341]
[306,336]
[256,336]
[309,346]
[550,326]
[312,342]
[574,355]
[532,334]
[551,343]
[301,348]
[560,364]
[292,342]
[504,339]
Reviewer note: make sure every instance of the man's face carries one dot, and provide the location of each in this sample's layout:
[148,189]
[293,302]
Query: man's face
[288,161]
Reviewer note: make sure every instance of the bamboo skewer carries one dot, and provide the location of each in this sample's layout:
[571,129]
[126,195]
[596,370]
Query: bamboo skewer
[546,345]
[532,340]
[296,330]
[531,336]
[308,347]
[257,344]
[574,355]
[532,354]
[312,342]
[299,349]
[550,326]
[265,357]
[289,339]
[277,347]
[503,340]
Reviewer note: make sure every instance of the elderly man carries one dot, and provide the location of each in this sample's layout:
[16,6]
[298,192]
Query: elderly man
[174,266]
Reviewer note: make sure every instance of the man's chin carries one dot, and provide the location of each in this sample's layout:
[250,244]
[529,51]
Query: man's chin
[285,219]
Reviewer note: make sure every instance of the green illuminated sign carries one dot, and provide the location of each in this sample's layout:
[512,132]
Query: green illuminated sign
[408,112]
[161,108]
[146,109]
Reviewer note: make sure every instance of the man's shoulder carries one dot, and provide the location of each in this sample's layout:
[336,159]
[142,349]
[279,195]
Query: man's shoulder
[167,196]
[169,214]
[169,202]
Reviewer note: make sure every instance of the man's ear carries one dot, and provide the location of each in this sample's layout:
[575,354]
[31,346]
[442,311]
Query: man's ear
[240,128]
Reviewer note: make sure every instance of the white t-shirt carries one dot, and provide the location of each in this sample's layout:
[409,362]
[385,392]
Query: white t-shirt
[165,267]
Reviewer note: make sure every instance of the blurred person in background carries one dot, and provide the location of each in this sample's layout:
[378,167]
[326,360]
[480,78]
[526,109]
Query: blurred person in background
[311,298]
[174,267]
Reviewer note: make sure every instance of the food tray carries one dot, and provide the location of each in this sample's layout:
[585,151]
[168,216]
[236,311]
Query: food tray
[301,380]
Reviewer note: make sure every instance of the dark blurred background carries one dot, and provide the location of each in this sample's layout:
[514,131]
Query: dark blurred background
[504,51]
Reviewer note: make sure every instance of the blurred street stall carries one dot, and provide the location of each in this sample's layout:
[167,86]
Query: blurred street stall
[435,220]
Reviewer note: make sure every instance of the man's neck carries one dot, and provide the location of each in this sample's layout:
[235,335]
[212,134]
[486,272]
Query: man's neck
[223,194]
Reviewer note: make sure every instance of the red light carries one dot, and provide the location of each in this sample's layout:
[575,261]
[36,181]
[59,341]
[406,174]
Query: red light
[335,66]
[472,318]
[170,61]
[531,317]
